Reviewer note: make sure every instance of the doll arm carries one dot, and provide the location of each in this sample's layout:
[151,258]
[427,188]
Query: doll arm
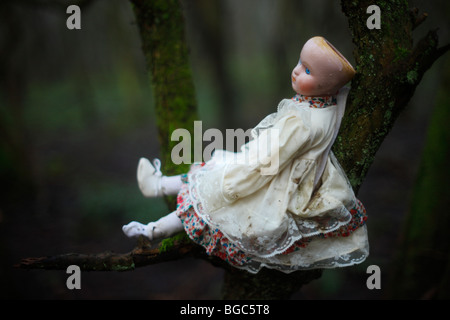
[266,156]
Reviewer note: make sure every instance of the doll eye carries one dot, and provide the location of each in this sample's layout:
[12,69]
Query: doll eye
[307,71]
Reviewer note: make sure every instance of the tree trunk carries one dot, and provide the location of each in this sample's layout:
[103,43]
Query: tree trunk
[389,68]
[162,30]
[266,284]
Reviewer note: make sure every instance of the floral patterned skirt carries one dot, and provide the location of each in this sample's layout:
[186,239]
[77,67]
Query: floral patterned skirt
[216,244]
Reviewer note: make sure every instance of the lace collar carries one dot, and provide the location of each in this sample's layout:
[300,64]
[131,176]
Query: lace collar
[316,102]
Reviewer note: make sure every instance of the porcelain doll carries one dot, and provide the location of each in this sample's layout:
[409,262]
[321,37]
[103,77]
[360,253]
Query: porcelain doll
[303,216]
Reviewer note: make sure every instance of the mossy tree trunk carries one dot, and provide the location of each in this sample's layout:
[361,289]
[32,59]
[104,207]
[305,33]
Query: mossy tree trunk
[389,69]
[162,30]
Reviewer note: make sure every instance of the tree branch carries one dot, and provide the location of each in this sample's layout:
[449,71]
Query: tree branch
[142,255]
[417,19]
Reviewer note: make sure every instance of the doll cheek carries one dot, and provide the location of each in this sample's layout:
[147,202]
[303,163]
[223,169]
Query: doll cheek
[307,85]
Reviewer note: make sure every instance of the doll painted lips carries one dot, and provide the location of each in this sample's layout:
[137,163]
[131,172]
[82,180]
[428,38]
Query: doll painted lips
[293,79]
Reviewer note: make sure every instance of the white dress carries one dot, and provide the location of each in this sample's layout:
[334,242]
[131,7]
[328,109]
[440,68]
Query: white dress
[284,186]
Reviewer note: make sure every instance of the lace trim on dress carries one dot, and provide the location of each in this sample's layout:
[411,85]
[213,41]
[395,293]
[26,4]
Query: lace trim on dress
[355,257]
[295,229]
[348,245]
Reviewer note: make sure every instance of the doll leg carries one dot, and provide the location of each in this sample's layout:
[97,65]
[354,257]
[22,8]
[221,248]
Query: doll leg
[163,228]
[151,181]
[171,185]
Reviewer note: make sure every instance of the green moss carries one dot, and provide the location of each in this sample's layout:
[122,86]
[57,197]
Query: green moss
[401,53]
[168,243]
[412,76]
[122,267]
[162,28]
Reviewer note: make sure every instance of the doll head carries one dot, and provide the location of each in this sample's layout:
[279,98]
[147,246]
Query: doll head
[322,70]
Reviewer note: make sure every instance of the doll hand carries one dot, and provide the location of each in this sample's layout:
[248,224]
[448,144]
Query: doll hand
[135,229]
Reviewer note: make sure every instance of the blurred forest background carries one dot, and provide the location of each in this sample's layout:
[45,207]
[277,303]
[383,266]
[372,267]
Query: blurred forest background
[76,114]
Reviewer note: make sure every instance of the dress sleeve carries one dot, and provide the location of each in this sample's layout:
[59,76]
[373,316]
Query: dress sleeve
[265,156]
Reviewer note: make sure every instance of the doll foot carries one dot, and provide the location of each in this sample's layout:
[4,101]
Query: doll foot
[135,229]
[149,178]
[165,227]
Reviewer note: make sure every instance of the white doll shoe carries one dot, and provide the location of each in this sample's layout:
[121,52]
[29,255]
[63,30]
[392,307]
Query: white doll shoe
[149,178]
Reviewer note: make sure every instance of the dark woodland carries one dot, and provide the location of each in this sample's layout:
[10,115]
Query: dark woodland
[80,107]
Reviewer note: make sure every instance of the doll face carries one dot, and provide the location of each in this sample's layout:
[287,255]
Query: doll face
[321,70]
[302,80]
